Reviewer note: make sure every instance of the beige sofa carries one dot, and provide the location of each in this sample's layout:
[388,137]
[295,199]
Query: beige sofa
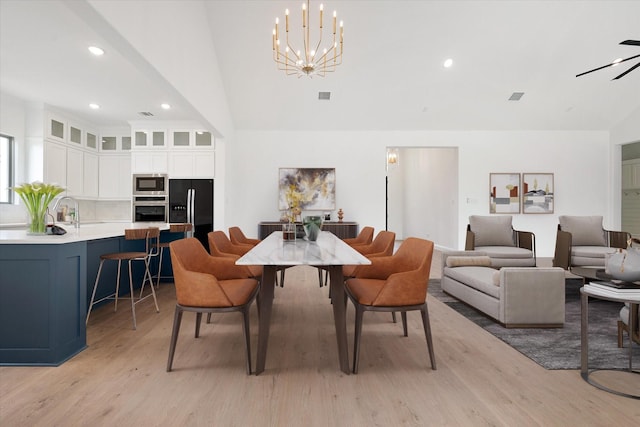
[514,296]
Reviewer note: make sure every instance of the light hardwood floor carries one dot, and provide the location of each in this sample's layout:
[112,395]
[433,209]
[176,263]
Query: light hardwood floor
[120,378]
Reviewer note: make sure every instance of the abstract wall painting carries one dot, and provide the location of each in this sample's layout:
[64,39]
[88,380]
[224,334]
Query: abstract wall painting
[537,193]
[504,193]
[313,188]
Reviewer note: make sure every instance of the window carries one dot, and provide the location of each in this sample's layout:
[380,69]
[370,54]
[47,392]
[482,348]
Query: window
[6,169]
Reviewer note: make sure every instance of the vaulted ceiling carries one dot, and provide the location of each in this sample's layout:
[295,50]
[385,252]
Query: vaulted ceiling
[392,76]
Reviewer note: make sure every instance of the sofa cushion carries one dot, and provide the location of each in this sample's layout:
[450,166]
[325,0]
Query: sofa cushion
[585,230]
[506,252]
[480,278]
[590,256]
[492,230]
[591,251]
[459,261]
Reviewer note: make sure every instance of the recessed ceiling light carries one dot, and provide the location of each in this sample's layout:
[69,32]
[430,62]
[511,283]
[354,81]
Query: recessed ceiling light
[448,63]
[96,50]
[94,106]
[165,106]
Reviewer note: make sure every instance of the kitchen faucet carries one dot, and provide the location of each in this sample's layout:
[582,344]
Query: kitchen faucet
[76,218]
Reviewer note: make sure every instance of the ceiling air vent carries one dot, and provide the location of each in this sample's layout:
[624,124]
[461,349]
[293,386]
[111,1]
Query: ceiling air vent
[325,96]
[515,96]
[146,114]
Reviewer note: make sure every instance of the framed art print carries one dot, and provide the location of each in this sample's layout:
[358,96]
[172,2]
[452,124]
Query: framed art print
[313,188]
[504,193]
[537,193]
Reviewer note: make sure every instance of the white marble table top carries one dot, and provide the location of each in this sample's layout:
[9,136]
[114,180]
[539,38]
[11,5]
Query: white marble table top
[327,250]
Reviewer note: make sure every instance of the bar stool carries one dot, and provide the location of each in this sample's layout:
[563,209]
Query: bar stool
[151,236]
[187,230]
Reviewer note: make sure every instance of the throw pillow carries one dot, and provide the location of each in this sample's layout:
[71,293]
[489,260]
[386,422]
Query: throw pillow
[492,230]
[462,261]
[585,230]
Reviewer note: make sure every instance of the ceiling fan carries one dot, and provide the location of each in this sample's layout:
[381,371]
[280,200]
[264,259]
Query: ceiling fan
[616,62]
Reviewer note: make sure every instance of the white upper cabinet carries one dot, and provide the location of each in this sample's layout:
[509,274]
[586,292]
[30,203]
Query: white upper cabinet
[55,127]
[75,172]
[192,164]
[55,163]
[189,138]
[90,175]
[144,138]
[115,176]
[149,162]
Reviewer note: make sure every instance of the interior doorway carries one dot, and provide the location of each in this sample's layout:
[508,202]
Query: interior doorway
[422,193]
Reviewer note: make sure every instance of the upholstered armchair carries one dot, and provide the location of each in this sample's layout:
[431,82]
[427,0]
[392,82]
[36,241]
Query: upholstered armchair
[582,244]
[237,237]
[495,236]
[393,283]
[365,237]
[207,284]
[382,245]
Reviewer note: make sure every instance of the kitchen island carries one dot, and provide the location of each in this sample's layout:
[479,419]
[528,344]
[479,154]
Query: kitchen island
[45,281]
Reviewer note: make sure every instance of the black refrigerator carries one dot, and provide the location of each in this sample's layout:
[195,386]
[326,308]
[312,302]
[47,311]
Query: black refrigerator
[191,201]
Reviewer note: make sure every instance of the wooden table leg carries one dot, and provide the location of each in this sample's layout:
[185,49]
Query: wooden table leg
[266,302]
[339,303]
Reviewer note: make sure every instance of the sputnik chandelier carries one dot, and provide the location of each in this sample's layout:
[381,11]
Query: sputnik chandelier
[314,59]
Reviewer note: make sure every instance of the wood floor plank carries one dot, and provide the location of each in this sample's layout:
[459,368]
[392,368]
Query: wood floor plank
[120,378]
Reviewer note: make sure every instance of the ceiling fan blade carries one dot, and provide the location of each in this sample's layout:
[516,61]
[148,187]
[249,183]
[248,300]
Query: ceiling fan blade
[627,72]
[608,65]
[631,42]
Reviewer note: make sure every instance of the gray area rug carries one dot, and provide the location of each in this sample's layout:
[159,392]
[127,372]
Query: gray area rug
[558,348]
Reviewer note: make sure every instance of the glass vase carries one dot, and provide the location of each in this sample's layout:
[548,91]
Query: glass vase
[312,226]
[37,224]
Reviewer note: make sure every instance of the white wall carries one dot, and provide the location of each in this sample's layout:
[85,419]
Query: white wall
[13,117]
[579,161]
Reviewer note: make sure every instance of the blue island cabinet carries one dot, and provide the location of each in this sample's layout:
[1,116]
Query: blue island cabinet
[45,290]
[43,302]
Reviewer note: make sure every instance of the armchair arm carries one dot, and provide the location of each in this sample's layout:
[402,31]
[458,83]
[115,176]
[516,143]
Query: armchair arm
[470,242]
[618,239]
[199,289]
[526,240]
[403,289]
[224,268]
[380,268]
[562,256]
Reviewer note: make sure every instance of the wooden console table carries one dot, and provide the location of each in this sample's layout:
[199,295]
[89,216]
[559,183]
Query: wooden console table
[343,230]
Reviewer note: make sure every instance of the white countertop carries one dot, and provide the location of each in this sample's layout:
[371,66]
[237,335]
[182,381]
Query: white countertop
[86,232]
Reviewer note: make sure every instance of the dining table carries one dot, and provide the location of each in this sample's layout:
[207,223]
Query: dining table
[328,252]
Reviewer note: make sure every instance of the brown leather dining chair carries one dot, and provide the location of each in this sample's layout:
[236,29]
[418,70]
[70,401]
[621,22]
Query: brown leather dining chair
[393,283]
[207,284]
[365,237]
[382,245]
[220,245]
[237,237]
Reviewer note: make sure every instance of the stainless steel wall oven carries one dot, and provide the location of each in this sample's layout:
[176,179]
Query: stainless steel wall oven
[150,198]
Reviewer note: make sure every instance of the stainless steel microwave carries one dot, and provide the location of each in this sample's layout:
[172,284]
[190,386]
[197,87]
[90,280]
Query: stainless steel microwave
[150,185]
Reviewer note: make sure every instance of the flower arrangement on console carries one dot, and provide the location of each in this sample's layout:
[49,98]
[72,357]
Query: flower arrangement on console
[294,200]
[36,197]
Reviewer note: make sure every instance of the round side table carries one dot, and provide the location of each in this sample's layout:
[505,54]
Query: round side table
[631,374]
